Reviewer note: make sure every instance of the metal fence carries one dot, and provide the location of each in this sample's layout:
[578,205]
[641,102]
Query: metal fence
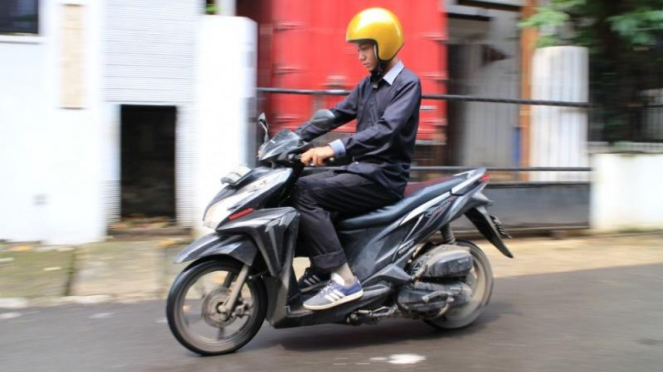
[628,91]
[484,144]
[486,132]
[442,97]
[636,126]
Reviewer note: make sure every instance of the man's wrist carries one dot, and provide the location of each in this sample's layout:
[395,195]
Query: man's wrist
[338,148]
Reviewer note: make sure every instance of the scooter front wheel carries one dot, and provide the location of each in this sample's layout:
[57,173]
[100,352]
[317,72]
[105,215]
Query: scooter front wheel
[196,311]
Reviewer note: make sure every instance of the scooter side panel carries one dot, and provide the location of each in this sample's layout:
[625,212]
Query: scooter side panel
[268,228]
[370,250]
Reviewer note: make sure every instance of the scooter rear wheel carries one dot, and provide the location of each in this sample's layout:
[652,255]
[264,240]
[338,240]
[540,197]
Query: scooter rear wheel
[480,280]
[195,308]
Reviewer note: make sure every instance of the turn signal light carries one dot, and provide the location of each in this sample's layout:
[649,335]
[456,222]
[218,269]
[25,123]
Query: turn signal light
[241,213]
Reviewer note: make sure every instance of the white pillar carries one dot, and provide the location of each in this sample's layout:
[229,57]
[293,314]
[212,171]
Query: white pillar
[227,7]
[225,93]
[626,192]
[559,134]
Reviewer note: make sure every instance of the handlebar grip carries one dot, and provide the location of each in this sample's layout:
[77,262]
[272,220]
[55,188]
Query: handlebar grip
[297,158]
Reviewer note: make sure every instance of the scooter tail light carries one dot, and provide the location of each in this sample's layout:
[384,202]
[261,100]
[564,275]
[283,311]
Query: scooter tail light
[485,178]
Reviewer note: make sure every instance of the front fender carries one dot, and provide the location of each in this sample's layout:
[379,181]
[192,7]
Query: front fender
[238,247]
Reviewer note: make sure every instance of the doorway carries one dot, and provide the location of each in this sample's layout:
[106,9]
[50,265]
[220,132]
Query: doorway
[147,163]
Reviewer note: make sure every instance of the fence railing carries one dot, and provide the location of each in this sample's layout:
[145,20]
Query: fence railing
[441,97]
[492,137]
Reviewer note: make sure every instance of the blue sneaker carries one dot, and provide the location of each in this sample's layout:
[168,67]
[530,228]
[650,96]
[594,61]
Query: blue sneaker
[312,279]
[334,293]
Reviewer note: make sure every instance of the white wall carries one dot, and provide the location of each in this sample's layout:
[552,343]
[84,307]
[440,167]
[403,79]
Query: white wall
[59,168]
[558,135]
[225,91]
[50,187]
[626,191]
[149,59]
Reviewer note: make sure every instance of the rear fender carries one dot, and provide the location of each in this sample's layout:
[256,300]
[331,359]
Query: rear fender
[484,223]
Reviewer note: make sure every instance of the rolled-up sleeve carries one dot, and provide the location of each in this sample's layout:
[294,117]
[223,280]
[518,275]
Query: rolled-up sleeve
[395,117]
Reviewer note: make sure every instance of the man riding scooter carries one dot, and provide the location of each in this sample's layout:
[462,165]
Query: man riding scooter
[242,273]
[386,107]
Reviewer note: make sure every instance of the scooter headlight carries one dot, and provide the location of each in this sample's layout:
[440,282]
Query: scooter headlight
[224,208]
[221,210]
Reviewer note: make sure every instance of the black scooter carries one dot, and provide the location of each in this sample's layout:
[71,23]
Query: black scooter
[242,273]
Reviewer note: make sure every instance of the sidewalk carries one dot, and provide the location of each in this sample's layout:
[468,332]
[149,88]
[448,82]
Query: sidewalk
[136,270]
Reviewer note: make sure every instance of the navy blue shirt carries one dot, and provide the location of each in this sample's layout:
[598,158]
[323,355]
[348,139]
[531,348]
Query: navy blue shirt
[387,114]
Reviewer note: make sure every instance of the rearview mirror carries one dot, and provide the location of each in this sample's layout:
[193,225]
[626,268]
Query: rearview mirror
[262,120]
[323,119]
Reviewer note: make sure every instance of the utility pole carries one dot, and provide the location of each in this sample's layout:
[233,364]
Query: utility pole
[528,39]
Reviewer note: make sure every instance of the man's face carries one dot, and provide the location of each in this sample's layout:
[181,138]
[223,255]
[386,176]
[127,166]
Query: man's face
[367,56]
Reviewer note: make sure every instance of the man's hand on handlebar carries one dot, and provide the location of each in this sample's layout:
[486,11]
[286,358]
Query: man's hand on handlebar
[317,155]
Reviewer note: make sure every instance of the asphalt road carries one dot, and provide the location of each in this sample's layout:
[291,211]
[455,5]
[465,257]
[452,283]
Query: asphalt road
[595,320]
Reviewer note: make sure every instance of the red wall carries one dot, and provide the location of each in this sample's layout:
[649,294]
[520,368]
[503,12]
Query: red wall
[302,46]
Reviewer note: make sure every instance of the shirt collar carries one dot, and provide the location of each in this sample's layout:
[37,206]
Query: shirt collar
[390,76]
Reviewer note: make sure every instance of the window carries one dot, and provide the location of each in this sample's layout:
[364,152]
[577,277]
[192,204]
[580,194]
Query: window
[19,16]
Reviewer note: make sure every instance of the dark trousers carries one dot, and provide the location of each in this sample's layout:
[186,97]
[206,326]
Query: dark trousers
[320,196]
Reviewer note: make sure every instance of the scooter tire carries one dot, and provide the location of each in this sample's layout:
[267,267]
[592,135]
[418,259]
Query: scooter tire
[461,317]
[174,307]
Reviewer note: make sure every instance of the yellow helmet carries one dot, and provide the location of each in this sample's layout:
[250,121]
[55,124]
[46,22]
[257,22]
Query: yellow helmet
[381,26]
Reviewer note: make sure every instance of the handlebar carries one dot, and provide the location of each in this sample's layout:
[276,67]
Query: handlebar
[297,159]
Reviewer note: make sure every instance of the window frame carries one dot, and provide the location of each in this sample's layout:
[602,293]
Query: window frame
[12,31]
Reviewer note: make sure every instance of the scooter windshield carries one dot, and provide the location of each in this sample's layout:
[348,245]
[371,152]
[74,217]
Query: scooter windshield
[284,142]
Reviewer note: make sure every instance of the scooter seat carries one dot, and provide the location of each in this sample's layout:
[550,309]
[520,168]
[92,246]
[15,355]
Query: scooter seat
[415,195]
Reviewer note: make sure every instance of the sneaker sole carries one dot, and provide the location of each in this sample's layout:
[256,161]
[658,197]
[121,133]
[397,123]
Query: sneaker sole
[345,299]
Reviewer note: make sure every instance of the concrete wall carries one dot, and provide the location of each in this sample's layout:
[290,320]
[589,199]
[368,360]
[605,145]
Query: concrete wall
[626,191]
[50,156]
[486,131]
[149,59]
[544,206]
[225,91]
[60,168]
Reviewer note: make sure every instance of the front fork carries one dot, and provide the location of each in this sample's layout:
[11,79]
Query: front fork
[235,290]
